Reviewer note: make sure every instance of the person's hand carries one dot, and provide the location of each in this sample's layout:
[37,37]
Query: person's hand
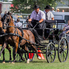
[29,20]
[67,32]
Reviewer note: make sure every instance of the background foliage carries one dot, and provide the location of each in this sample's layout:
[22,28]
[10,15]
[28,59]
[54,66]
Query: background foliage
[21,5]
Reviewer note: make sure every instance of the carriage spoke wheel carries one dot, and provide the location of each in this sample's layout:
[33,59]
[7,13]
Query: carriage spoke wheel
[31,55]
[50,53]
[63,50]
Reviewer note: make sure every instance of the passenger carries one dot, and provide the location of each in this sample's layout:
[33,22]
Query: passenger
[48,13]
[65,30]
[49,16]
[18,24]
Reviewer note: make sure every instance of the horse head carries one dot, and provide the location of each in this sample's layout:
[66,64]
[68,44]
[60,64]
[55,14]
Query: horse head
[7,20]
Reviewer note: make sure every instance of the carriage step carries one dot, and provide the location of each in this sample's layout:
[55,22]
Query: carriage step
[44,41]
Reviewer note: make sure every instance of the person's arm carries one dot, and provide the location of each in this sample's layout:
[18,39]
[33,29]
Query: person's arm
[52,18]
[30,20]
[41,21]
[67,32]
[31,17]
[64,29]
[42,17]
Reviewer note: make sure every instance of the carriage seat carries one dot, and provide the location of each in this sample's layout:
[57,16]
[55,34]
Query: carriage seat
[54,21]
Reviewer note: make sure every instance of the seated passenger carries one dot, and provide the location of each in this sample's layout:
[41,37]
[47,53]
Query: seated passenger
[49,16]
[65,30]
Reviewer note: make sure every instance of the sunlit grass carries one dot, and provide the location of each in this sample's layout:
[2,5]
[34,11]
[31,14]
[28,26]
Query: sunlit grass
[35,64]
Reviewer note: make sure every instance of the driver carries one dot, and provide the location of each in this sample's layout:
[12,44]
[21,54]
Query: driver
[37,16]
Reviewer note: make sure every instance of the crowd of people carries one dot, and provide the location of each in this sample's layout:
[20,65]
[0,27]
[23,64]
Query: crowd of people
[57,10]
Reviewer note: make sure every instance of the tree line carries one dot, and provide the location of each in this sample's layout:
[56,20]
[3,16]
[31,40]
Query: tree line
[26,6]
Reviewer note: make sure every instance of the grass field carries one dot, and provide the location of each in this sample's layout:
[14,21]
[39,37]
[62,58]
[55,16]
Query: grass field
[35,64]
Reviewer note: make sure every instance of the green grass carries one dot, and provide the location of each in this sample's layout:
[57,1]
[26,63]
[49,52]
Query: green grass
[35,64]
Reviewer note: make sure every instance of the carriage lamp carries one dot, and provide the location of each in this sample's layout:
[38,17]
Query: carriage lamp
[54,26]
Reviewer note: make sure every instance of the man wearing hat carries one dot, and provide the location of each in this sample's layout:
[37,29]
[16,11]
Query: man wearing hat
[53,9]
[37,16]
[49,16]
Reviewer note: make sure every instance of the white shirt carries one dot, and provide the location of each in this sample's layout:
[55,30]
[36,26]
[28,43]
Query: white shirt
[18,24]
[49,15]
[38,16]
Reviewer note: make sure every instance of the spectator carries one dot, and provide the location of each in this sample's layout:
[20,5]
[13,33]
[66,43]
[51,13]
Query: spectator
[53,9]
[18,24]
[57,10]
[5,14]
[62,10]
[28,18]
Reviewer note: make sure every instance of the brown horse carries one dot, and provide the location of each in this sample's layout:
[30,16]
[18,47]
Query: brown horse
[2,31]
[14,40]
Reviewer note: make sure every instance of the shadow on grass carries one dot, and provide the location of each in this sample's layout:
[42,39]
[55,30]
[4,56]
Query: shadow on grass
[39,62]
[6,61]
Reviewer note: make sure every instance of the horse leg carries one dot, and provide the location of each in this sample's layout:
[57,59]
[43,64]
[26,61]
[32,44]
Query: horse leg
[9,49]
[34,47]
[3,56]
[20,54]
[27,50]
[14,52]
[3,47]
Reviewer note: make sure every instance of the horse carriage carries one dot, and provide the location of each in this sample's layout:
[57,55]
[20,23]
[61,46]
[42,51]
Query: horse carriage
[50,46]
[46,46]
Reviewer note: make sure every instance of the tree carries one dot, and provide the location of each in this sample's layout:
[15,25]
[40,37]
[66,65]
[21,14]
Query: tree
[26,6]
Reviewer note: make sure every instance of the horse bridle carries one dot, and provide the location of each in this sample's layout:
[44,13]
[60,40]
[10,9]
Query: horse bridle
[6,22]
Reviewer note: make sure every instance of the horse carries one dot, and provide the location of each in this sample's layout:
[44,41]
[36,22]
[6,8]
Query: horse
[14,40]
[2,31]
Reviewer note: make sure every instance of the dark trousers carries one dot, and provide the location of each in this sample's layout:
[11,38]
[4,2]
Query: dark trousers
[34,22]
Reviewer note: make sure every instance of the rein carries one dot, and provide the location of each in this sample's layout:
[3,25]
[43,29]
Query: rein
[18,28]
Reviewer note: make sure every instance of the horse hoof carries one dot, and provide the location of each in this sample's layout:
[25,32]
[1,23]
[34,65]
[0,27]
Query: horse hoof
[39,57]
[3,62]
[23,59]
[9,62]
[13,63]
[28,60]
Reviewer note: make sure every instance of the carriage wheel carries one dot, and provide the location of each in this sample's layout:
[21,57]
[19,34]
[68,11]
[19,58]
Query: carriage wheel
[63,50]
[31,55]
[50,53]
